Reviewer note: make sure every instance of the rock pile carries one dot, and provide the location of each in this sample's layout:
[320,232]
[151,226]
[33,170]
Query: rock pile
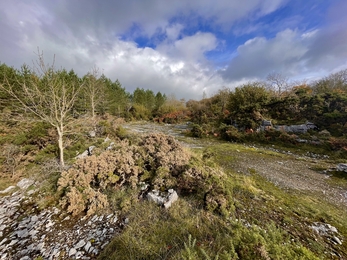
[28,233]
[327,230]
[342,167]
[161,198]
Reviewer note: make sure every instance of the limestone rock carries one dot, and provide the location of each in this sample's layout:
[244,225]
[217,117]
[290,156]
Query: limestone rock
[165,199]
[25,183]
[342,167]
[171,199]
[47,234]
[7,190]
[337,240]
[72,252]
[92,134]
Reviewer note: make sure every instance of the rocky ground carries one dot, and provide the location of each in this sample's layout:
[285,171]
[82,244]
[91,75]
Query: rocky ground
[27,233]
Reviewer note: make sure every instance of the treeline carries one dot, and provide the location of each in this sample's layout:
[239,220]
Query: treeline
[323,103]
[56,97]
[97,95]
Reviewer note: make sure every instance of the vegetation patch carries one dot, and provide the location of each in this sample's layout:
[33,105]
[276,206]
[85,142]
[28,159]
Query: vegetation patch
[158,160]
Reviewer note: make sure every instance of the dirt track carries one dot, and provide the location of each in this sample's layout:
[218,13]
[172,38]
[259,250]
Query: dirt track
[288,171]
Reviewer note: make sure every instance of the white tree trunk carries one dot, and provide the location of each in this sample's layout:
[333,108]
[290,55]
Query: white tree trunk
[61,147]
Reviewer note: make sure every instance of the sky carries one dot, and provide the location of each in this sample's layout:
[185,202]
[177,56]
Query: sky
[187,48]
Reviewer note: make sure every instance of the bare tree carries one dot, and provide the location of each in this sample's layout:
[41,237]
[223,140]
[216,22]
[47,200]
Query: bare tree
[278,82]
[94,90]
[48,94]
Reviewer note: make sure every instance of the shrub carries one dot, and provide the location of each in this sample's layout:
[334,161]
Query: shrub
[196,131]
[158,160]
[230,133]
[158,156]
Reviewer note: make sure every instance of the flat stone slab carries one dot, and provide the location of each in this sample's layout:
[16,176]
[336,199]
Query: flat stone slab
[7,190]
[25,183]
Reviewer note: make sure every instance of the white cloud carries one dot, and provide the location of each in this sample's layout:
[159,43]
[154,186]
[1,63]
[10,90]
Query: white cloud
[190,48]
[173,31]
[149,68]
[82,35]
[259,56]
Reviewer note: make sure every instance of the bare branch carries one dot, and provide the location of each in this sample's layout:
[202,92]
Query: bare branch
[46,94]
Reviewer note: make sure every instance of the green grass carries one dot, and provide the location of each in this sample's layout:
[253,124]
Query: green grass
[267,222]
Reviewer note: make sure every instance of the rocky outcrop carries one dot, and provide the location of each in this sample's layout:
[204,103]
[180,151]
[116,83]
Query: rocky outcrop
[163,199]
[299,129]
[86,153]
[328,231]
[26,232]
[342,167]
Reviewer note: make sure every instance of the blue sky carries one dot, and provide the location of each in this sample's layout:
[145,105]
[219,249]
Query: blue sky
[181,47]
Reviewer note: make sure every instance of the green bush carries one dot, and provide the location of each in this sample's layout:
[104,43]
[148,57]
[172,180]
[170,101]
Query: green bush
[121,132]
[230,133]
[197,131]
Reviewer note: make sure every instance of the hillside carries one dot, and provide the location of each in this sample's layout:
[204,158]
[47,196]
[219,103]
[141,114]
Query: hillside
[236,201]
[90,171]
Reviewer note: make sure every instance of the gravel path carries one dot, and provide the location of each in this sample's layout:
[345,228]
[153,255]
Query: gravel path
[296,173]
[286,170]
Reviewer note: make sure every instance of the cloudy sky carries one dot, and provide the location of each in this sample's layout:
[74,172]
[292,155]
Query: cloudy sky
[185,47]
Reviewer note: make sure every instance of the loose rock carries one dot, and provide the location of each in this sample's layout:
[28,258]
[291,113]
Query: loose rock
[47,234]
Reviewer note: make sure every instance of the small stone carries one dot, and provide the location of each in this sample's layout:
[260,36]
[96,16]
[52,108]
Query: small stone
[72,252]
[33,232]
[79,255]
[23,233]
[25,258]
[115,219]
[34,218]
[126,221]
[92,134]
[332,228]
[337,240]
[80,244]
[25,183]
[41,246]
[31,192]
[172,198]
[7,190]
[342,167]
[3,241]
[87,246]
[49,224]
[13,242]
[154,196]
[55,252]
[109,216]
